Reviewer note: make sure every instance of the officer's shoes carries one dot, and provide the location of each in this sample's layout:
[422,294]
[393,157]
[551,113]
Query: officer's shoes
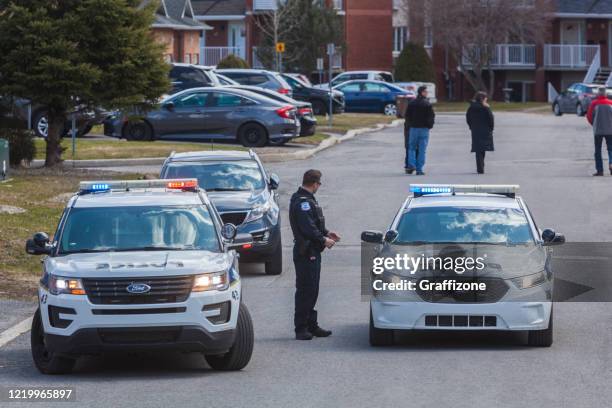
[303,335]
[319,332]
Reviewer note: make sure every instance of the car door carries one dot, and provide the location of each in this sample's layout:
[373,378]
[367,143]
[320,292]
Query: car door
[181,117]
[351,92]
[375,96]
[568,104]
[226,112]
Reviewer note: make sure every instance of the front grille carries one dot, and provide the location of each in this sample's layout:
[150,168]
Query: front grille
[112,291]
[460,321]
[235,218]
[139,336]
[496,289]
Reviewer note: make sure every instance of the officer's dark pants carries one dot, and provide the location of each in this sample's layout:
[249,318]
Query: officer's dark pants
[480,161]
[598,145]
[307,275]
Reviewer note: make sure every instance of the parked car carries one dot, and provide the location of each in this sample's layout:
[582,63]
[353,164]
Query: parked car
[243,193]
[300,77]
[186,76]
[211,114]
[576,99]
[86,118]
[319,98]
[225,80]
[258,77]
[308,123]
[414,86]
[371,96]
[359,75]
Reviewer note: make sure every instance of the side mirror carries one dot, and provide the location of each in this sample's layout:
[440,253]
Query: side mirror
[550,237]
[229,231]
[372,237]
[240,241]
[169,106]
[391,235]
[274,181]
[38,244]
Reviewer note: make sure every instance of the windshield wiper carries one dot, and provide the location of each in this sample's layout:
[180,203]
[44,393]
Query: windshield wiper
[155,248]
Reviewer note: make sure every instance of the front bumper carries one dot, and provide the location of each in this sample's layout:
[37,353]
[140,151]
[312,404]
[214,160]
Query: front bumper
[414,315]
[266,238]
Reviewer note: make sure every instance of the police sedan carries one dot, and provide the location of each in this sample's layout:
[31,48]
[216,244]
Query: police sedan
[461,257]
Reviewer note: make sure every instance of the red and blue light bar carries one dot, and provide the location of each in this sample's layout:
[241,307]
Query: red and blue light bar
[92,187]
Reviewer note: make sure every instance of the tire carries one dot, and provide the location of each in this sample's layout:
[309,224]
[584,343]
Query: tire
[274,266]
[380,337]
[40,124]
[319,107]
[138,131]
[579,110]
[240,354]
[390,109]
[253,135]
[45,360]
[542,338]
[557,109]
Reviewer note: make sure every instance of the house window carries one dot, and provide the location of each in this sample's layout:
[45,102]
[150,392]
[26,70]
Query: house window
[399,38]
[428,37]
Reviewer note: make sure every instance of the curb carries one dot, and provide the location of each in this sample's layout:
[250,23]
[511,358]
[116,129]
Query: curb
[266,157]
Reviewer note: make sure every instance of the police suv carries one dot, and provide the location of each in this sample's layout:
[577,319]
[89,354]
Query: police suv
[462,257]
[140,265]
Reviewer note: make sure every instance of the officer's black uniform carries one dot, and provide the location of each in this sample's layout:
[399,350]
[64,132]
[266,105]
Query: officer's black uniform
[308,226]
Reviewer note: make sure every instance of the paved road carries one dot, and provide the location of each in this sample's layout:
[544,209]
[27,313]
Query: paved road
[363,186]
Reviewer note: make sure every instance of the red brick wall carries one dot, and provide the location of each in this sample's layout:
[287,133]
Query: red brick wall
[218,36]
[597,33]
[369,34]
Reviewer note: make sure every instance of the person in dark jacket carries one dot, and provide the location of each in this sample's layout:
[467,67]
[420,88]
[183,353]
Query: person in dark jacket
[407,167]
[420,119]
[480,120]
[600,116]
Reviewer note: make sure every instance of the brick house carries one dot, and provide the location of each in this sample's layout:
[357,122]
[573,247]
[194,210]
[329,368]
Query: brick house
[176,27]
[235,31]
[577,49]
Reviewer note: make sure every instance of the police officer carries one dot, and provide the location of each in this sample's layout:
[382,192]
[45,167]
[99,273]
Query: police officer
[310,239]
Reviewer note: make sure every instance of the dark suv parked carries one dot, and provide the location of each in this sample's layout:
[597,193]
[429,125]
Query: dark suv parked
[243,193]
[319,98]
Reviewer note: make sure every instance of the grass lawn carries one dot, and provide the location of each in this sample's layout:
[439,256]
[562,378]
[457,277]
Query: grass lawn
[347,121]
[495,106]
[311,140]
[122,149]
[43,194]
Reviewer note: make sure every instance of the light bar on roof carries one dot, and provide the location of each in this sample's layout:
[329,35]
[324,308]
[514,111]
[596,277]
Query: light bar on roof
[89,187]
[419,190]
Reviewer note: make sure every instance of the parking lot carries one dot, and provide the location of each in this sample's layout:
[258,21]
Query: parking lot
[363,185]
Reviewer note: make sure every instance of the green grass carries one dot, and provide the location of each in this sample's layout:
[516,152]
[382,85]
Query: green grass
[495,106]
[37,192]
[122,149]
[311,140]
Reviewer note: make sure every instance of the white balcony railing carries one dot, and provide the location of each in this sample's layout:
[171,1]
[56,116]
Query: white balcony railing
[506,56]
[265,5]
[569,56]
[214,55]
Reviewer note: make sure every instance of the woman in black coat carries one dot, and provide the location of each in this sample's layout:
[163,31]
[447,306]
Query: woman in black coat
[480,120]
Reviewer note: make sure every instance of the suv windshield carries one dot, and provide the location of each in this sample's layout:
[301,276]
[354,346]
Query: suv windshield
[150,228]
[241,175]
[464,225]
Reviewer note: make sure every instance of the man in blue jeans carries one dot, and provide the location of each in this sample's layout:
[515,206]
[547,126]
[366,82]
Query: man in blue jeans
[420,118]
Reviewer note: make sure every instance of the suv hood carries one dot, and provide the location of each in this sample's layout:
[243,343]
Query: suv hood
[237,200]
[137,264]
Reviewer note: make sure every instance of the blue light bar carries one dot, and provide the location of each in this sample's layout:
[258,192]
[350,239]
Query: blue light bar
[433,189]
[97,187]
[508,190]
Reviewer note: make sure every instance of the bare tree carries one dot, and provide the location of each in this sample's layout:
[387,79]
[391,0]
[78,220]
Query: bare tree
[276,25]
[470,30]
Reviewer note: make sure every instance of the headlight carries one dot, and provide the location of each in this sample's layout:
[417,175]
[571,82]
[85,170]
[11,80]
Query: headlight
[529,281]
[259,211]
[210,281]
[59,285]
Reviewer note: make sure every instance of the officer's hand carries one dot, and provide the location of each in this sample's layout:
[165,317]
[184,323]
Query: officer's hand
[334,235]
[329,243]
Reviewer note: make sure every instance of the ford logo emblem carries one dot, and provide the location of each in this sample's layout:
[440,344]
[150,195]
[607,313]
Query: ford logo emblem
[138,288]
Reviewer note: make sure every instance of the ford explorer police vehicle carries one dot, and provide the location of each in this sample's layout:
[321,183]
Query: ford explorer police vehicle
[462,257]
[140,265]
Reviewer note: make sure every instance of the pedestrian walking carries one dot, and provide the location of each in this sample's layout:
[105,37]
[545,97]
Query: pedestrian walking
[599,116]
[311,237]
[481,122]
[420,119]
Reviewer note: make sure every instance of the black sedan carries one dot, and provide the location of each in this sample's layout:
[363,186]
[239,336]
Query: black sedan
[319,98]
[304,109]
[212,114]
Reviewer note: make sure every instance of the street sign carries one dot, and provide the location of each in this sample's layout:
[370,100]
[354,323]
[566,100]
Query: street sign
[331,49]
[320,64]
[280,47]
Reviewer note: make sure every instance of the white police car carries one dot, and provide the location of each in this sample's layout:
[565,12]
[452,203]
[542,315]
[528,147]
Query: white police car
[462,257]
[140,265]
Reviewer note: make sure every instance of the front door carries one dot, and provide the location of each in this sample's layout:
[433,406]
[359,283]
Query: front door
[236,39]
[573,33]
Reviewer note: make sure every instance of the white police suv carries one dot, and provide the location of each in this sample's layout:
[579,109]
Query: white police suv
[461,257]
[140,265]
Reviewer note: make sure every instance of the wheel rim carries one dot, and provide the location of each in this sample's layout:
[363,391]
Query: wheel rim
[252,135]
[43,126]
[137,131]
[390,110]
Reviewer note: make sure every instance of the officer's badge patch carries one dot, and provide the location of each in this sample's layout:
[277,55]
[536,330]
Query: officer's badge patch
[305,206]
